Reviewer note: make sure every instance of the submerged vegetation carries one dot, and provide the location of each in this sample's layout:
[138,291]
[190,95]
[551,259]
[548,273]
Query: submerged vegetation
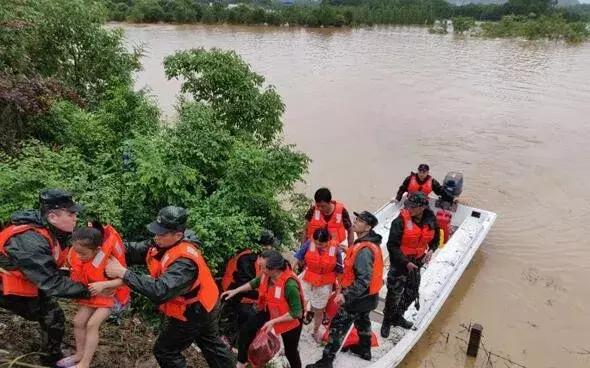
[531,19]
[546,26]
[550,27]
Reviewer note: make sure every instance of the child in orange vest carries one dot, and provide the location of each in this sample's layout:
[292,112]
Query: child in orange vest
[88,260]
[322,258]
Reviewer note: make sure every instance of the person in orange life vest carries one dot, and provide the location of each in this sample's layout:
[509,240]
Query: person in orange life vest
[361,282]
[240,269]
[280,307]
[413,238]
[322,259]
[420,181]
[181,283]
[114,243]
[32,249]
[330,214]
[87,260]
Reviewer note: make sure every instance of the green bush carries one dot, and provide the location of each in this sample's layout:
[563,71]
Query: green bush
[225,82]
[577,32]
[463,24]
[548,27]
[79,52]
[45,59]
[182,11]
[37,166]
[148,11]
[118,11]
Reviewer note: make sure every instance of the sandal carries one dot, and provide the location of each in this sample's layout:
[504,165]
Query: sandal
[67,362]
[308,318]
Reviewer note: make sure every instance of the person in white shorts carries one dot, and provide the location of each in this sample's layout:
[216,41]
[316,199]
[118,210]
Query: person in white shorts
[321,258]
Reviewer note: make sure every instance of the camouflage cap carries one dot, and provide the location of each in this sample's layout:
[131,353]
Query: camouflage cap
[170,219]
[368,218]
[416,199]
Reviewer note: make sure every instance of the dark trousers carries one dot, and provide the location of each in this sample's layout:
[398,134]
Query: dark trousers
[201,328]
[245,312]
[402,290]
[50,317]
[340,326]
[234,315]
[290,339]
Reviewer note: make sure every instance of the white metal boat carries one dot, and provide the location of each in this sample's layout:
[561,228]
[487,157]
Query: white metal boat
[471,225]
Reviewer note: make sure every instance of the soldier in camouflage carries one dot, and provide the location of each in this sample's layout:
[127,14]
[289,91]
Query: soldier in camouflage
[357,302]
[31,254]
[403,278]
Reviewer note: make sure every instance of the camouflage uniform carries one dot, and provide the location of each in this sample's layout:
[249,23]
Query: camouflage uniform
[402,290]
[403,286]
[201,326]
[340,326]
[357,307]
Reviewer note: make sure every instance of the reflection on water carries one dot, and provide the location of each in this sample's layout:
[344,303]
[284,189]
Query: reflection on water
[369,104]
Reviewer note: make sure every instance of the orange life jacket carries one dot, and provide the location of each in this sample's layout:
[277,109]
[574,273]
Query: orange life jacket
[320,269]
[15,282]
[415,239]
[335,226]
[93,271]
[228,276]
[377,276]
[414,186]
[204,286]
[272,297]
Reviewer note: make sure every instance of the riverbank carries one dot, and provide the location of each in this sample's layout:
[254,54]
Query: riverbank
[126,345]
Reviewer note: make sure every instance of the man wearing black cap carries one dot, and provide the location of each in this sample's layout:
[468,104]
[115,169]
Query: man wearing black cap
[181,283]
[32,249]
[361,282]
[413,238]
[420,181]
[241,269]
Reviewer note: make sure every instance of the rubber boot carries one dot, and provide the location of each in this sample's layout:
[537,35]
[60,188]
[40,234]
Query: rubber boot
[325,362]
[363,348]
[400,321]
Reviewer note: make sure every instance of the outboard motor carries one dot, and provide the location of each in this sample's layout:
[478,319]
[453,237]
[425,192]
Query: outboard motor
[452,188]
[453,184]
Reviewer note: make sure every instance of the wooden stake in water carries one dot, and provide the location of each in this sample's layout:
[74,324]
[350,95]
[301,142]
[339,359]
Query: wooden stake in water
[474,340]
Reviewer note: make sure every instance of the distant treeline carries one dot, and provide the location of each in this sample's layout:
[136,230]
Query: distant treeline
[531,19]
[331,13]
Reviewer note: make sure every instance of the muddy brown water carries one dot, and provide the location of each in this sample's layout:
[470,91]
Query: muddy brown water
[369,104]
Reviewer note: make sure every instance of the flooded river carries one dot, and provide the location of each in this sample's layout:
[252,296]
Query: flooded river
[368,105]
